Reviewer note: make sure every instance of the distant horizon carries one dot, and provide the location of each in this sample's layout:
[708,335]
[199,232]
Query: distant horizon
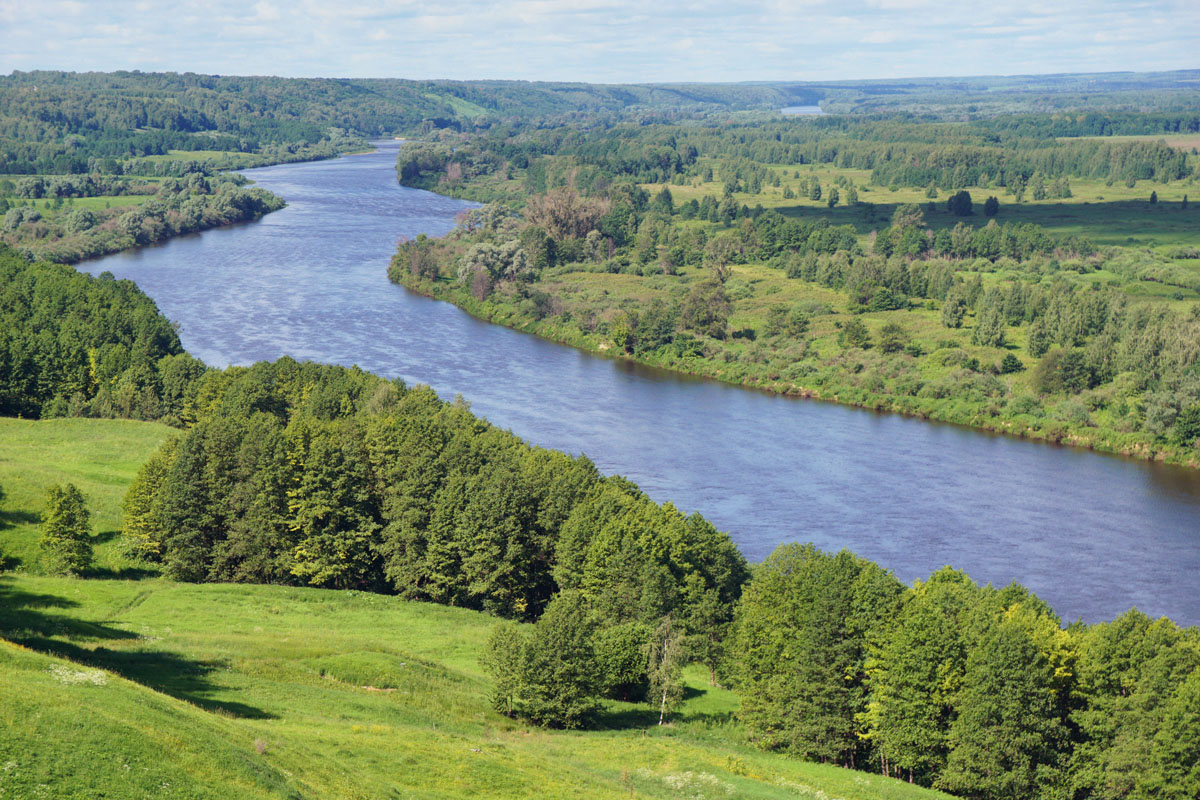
[602,41]
[746,82]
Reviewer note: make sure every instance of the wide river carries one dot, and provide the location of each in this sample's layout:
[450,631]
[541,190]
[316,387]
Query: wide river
[1091,534]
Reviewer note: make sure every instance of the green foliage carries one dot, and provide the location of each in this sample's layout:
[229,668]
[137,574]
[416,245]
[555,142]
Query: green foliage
[665,661]
[554,674]
[66,531]
[854,333]
[79,345]
[1008,741]
[803,631]
[705,309]
[959,204]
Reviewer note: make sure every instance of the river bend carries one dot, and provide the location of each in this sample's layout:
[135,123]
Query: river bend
[1091,534]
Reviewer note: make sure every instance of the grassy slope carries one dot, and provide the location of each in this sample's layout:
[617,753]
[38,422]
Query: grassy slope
[99,456]
[136,688]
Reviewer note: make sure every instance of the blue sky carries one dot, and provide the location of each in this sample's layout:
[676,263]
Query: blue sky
[601,40]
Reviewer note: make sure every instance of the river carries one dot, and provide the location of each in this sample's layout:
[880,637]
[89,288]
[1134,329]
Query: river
[1091,534]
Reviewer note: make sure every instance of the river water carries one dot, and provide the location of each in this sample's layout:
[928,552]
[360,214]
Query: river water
[1091,534]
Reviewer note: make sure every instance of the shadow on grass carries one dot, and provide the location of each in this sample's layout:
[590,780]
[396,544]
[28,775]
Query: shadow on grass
[11,519]
[24,619]
[126,573]
[631,716]
[104,537]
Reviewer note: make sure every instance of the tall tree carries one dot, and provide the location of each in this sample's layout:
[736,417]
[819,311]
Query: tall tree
[66,531]
[1008,740]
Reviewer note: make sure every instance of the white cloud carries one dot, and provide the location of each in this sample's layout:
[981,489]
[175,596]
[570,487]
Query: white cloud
[600,40]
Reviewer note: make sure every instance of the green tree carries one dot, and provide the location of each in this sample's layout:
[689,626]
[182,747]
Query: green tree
[893,338]
[1008,740]
[991,206]
[1187,426]
[833,196]
[66,542]
[954,309]
[1153,198]
[1010,364]
[503,660]
[141,523]
[665,657]
[559,678]
[804,627]
[959,204]
[705,309]
[1175,755]
[854,333]
[918,673]
[852,196]
[989,328]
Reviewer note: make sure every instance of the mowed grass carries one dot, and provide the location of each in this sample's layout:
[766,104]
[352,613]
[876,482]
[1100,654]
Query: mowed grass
[101,457]
[150,688]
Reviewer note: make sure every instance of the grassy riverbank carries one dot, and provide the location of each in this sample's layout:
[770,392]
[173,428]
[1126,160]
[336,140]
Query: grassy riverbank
[851,376]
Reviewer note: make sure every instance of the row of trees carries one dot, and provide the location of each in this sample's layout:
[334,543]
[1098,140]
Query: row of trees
[975,690]
[325,476]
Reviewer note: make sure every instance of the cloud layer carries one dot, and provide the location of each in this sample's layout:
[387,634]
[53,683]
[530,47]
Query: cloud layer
[601,40]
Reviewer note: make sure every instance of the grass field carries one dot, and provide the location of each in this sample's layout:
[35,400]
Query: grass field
[1184,141]
[1108,215]
[147,688]
[101,457]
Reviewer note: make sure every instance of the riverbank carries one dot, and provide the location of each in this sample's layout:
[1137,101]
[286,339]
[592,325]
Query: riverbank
[765,377]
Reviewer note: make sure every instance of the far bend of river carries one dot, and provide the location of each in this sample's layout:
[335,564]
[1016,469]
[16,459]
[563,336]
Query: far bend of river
[1091,534]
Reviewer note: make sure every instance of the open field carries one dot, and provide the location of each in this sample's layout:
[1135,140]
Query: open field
[100,456]
[136,688]
[1108,215]
[1184,141]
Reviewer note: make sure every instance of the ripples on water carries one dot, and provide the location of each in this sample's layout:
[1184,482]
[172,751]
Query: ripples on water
[1093,535]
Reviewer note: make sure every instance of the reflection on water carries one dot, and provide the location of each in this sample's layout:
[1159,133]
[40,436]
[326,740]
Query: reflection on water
[1091,534]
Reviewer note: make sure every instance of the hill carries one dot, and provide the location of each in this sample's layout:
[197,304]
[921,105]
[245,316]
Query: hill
[147,686]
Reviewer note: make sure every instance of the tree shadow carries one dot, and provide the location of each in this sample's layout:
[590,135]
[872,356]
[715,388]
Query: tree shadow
[103,537]
[624,717]
[24,620]
[126,573]
[11,519]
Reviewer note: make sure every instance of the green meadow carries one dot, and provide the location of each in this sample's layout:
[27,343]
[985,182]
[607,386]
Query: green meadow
[1108,215]
[132,686]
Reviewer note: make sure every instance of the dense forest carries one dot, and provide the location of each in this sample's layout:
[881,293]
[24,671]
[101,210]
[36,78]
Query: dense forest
[75,345]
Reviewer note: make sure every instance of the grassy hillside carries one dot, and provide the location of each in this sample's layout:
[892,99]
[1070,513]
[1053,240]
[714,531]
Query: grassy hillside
[135,688]
[100,456]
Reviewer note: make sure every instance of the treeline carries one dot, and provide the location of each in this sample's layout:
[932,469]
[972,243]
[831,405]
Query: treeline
[178,206]
[74,345]
[60,122]
[975,690]
[1091,123]
[896,152]
[325,476]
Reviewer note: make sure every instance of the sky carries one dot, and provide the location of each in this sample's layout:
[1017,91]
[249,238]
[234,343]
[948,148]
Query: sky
[602,41]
